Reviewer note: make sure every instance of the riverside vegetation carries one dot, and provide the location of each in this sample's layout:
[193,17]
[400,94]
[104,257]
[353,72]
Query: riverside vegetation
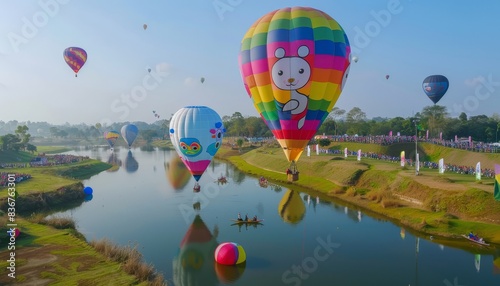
[443,205]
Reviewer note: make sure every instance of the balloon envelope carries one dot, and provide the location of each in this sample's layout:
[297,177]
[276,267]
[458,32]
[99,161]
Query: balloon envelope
[145,26]
[294,63]
[435,86]
[111,137]
[129,133]
[202,80]
[355,59]
[387,77]
[196,133]
[75,58]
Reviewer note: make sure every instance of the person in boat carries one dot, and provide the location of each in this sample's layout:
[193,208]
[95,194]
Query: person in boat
[239,217]
[473,236]
[254,218]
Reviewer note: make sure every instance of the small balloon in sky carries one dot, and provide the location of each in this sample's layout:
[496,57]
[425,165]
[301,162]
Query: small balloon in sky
[75,58]
[387,77]
[202,80]
[145,26]
[355,59]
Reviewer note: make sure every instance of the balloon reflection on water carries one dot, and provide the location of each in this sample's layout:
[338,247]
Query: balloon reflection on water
[291,208]
[131,164]
[195,264]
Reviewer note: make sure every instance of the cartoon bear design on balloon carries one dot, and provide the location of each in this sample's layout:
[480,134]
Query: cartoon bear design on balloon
[293,73]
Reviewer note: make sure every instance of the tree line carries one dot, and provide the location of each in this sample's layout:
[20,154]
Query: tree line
[435,119]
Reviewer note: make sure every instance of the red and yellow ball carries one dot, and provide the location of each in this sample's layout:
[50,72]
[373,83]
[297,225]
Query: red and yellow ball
[230,253]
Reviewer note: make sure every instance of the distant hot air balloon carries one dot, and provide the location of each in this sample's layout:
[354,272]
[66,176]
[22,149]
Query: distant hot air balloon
[145,26]
[435,86]
[387,77]
[129,133]
[294,63]
[75,58]
[202,80]
[196,133]
[149,70]
[355,59]
[111,137]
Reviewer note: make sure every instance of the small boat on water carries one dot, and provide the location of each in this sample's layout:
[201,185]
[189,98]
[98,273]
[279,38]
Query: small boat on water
[250,221]
[478,241]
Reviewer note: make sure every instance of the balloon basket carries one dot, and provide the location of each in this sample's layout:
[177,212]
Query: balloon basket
[292,172]
[293,177]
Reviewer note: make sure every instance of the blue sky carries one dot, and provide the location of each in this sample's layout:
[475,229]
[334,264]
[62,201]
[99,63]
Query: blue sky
[187,40]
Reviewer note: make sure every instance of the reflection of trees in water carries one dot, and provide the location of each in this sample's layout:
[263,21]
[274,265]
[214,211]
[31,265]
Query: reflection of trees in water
[147,148]
[237,175]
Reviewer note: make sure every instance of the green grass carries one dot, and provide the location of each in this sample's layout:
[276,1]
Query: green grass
[372,184]
[52,149]
[77,264]
[15,157]
[163,144]
[47,179]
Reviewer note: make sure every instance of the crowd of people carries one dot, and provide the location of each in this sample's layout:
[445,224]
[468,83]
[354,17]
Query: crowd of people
[459,169]
[388,140]
[4,178]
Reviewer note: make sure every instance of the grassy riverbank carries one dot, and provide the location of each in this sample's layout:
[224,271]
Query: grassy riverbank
[52,251]
[48,179]
[446,205]
[46,255]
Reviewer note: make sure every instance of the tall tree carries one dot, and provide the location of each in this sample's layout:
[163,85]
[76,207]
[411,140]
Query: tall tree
[434,116]
[355,119]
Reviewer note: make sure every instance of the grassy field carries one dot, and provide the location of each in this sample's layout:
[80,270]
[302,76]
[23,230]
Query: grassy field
[47,179]
[15,157]
[446,205]
[46,255]
[52,149]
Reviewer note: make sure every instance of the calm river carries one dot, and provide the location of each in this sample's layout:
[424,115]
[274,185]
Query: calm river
[147,199]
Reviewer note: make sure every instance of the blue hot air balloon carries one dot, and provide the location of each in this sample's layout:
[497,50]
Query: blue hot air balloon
[435,86]
[129,133]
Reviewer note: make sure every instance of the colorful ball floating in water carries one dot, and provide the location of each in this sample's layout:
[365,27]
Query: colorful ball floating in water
[88,190]
[230,253]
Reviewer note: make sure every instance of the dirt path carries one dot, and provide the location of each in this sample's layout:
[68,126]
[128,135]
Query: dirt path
[39,259]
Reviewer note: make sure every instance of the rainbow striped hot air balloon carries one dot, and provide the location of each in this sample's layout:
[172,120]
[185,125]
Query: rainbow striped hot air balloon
[111,137]
[75,58]
[294,63]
